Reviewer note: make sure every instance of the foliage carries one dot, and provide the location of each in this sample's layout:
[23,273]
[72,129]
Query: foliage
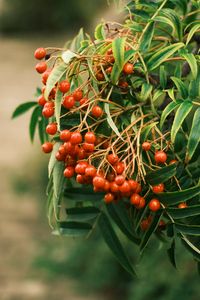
[143,75]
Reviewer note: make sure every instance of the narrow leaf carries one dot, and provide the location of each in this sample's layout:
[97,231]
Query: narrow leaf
[111,122]
[171,254]
[145,42]
[181,87]
[177,213]
[22,108]
[194,137]
[58,102]
[161,175]
[118,46]
[168,109]
[33,122]
[188,229]
[192,31]
[57,72]
[86,213]
[173,198]
[99,32]
[180,116]
[191,247]
[160,56]
[190,58]
[114,243]
[73,229]
[53,160]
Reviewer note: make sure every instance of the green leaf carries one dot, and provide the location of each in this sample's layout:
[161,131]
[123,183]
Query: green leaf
[57,72]
[41,128]
[118,46]
[188,229]
[73,229]
[174,21]
[194,136]
[82,213]
[22,108]
[141,13]
[152,228]
[114,243]
[111,122]
[58,104]
[161,175]
[192,31]
[67,56]
[33,122]
[168,109]
[120,216]
[146,39]
[145,92]
[180,116]
[163,77]
[82,194]
[173,198]
[190,58]
[99,32]
[160,56]
[181,87]
[171,254]
[191,247]
[58,178]
[53,160]
[177,213]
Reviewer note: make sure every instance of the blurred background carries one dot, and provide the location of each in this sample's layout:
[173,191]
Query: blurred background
[35,265]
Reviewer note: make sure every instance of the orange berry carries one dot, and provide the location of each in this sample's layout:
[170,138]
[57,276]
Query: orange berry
[158,188]
[154,205]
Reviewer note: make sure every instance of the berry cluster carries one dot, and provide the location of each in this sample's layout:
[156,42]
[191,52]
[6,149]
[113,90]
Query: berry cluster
[92,158]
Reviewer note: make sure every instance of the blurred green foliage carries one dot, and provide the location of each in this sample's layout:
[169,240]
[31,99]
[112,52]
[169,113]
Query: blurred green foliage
[95,270]
[47,15]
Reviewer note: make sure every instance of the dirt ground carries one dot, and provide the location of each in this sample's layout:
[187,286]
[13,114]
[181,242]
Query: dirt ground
[22,226]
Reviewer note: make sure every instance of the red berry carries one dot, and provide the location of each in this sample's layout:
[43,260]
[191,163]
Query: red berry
[123,84]
[114,187]
[109,197]
[144,224]
[69,148]
[45,76]
[41,67]
[124,188]
[160,157]
[69,172]
[146,146]
[90,171]
[78,95]
[182,205]
[109,70]
[135,199]
[112,158]
[109,51]
[60,157]
[62,150]
[100,76]
[119,179]
[51,128]
[65,135]
[40,53]
[88,147]
[154,205]
[84,102]
[107,186]
[97,111]
[69,102]
[47,112]
[133,185]
[47,147]
[64,86]
[128,68]
[41,100]
[98,182]
[70,161]
[158,188]
[81,167]
[81,153]
[141,204]
[80,179]
[90,137]
[119,167]
[76,138]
